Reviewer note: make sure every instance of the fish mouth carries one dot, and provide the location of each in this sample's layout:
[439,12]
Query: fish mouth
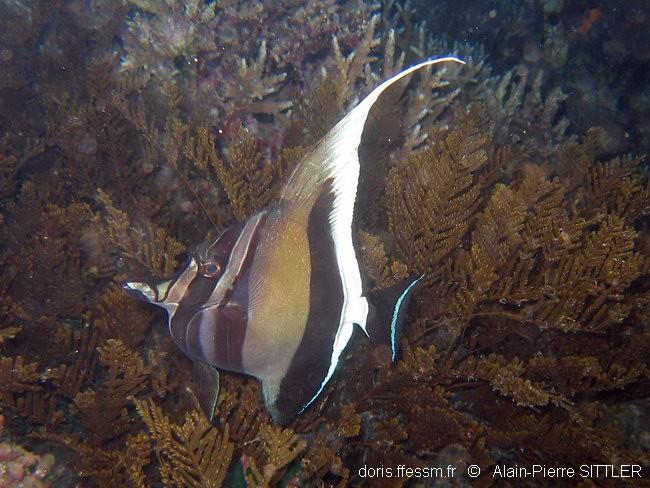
[141,291]
[152,289]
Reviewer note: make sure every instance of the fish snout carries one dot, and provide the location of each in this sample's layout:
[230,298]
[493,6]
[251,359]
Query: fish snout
[141,291]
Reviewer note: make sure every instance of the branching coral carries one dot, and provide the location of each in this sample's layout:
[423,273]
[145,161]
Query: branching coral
[165,37]
[102,411]
[445,215]
[157,253]
[193,454]
[521,112]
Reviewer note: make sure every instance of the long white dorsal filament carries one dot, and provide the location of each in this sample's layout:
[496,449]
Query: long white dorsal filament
[366,104]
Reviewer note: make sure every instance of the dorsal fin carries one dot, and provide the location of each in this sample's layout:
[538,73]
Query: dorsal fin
[338,150]
[335,159]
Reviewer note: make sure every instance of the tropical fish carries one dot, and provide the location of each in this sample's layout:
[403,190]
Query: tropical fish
[277,295]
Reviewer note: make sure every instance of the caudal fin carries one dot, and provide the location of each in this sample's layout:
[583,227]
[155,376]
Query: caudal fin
[387,311]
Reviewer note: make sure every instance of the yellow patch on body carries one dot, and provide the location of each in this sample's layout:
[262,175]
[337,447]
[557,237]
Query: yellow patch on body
[279,297]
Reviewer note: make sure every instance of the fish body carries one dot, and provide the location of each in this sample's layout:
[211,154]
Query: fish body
[277,295]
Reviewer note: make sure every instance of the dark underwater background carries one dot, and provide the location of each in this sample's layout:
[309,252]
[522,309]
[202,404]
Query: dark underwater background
[131,130]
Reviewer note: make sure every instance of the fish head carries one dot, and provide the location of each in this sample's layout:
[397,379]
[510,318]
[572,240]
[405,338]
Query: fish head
[206,262]
[207,298]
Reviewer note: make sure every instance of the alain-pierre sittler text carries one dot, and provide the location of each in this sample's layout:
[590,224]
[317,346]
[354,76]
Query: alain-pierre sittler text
[504,471]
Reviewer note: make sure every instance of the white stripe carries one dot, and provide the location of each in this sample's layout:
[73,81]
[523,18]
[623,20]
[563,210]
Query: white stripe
[342,146]
[207,329]
[235,261]
[177,291]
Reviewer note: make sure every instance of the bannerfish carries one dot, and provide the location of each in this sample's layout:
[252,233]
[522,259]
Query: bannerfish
[276,296]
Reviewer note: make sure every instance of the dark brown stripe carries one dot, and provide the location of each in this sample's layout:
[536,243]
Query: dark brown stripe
[247,262]
[312,359]
[219,250]
[197,293]
[231,326]
[226,321]
[190,317]
[382,133]
[193,339]
[232,317]
[236,314]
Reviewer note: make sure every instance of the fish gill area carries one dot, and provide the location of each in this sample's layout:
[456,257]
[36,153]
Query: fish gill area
[131,130]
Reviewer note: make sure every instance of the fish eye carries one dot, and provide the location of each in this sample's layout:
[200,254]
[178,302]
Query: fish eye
[210,270]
